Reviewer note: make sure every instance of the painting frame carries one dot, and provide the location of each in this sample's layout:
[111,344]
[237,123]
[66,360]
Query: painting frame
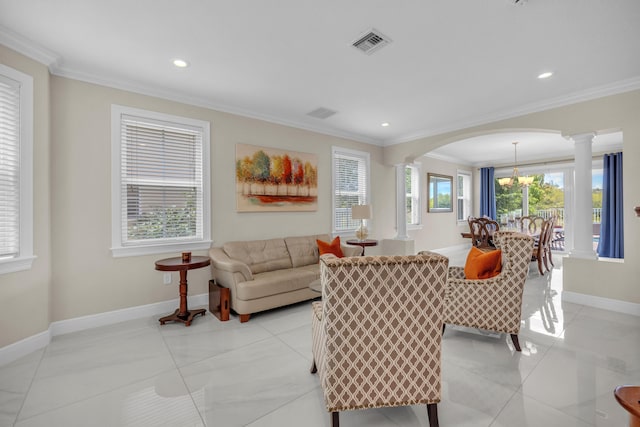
[275,180]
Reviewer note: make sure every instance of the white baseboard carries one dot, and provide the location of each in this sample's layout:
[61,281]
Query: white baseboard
[22,348]
[601,302]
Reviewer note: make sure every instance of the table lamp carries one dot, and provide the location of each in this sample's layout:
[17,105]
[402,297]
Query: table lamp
[361,212]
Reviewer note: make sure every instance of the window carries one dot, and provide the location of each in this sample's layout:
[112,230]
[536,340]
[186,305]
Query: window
[160,183]
[464,202]
[350,186]
[412,179]
[16,170]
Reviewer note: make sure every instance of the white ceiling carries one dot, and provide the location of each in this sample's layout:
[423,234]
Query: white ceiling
[451,64]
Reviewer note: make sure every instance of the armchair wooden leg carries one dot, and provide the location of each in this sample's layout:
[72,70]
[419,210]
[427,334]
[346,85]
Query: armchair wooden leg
[335,419]
[313,369]
[432,413]
[244,317]
[516,343]
[443,326]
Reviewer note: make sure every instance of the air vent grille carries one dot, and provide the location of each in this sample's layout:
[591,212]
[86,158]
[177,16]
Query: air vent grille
[371,41]
[321,113]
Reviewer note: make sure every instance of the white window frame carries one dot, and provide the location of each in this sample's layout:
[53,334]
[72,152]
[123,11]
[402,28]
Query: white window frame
[25,257]
[118,249]
[360,155]
[415,195]
[469,175]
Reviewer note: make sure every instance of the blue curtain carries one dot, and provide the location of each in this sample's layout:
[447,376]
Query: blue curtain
[611,244]
[487,193]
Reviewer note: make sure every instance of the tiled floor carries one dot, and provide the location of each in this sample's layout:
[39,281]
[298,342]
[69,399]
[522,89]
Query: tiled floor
[257,374]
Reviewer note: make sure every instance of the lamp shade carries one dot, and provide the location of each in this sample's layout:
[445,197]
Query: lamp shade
[361,212]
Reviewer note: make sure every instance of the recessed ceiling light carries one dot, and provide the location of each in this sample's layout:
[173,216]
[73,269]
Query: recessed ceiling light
[181,63]
[545,75]
[384,125]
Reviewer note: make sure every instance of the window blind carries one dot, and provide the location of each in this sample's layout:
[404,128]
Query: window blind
[9,168]
[350,187]
[161,181]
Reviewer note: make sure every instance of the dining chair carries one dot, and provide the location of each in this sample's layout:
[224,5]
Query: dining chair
[542,249]
[531,225]
[482,230]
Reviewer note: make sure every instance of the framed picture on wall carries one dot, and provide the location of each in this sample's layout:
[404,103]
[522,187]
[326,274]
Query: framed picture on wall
[275,180]
[439,193]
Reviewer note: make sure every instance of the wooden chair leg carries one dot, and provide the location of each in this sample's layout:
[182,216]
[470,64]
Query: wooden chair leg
[314,368]
[540,266]
[516,342]
[550,255]
[432,413]
[335,419]
[443,327]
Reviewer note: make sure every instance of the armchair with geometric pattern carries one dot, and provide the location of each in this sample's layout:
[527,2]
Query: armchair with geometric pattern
[493,304]
[377,332]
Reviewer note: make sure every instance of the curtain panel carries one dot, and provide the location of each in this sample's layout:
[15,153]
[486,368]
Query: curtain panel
[611,242]
[487,193]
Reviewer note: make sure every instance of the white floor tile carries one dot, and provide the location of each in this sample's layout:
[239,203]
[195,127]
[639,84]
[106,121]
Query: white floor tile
[256,374]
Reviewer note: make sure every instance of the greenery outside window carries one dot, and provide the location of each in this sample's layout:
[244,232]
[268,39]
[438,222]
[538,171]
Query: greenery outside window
[16,170]
[350,186]
[160,191]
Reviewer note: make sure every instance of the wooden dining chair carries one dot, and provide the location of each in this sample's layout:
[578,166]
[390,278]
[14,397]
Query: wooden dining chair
[482,230]
[542,249]
[531,225]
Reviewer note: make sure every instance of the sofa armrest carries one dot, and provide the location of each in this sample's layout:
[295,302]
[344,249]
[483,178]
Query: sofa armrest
[225,267]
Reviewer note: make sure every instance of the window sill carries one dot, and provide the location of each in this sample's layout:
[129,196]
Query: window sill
[16,264]
[124,251]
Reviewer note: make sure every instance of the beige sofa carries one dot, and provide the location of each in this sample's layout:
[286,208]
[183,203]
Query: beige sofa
[264,274]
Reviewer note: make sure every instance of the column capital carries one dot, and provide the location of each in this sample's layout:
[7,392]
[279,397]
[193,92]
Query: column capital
[586,137]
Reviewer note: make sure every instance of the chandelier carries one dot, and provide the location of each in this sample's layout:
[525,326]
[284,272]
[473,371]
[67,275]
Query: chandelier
[525,181]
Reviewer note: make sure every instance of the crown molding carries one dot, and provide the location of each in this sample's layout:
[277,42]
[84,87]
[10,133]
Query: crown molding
[28,48]
[614,88]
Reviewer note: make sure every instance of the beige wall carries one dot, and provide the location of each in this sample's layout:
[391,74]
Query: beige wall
[441,229]
[24,295]
[75,274]
[618,112]
[86,278]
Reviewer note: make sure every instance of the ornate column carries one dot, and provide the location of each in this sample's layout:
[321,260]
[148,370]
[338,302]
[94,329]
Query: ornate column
[583,219]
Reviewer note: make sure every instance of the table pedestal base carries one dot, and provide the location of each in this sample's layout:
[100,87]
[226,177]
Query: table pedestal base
[184,319]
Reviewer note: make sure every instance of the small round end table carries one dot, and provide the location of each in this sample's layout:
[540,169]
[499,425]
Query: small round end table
[362,243]
[182,314]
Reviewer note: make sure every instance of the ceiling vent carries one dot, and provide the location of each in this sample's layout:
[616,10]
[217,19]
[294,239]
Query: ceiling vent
[321,113]
[371,41]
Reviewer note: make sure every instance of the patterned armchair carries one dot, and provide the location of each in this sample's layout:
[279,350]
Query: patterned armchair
[377,332]
[493,304]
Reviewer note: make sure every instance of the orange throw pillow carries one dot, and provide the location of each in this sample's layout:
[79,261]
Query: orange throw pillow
[483,265]
[330,248]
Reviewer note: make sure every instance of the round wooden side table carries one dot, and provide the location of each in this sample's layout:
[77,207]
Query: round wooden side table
[628,397]
[362,243]
[182,314]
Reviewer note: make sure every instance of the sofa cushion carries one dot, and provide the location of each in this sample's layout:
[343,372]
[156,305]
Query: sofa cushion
[332,247]
[277,282]
[303,249]
[260,255]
